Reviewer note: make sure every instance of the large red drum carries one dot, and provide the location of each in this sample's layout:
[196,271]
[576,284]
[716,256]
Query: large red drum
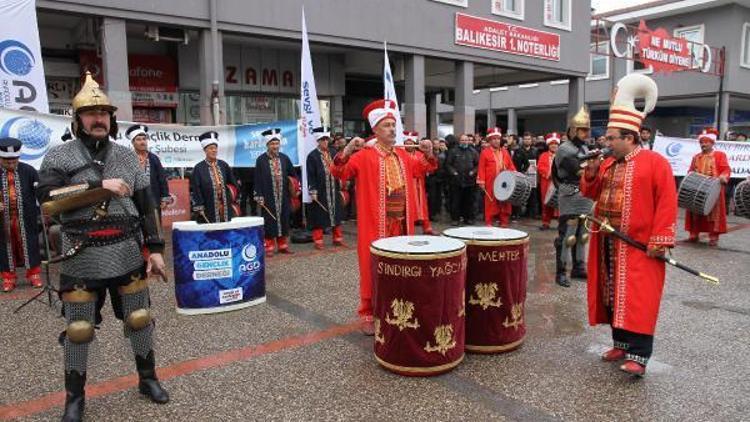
[496,277]
[419,303]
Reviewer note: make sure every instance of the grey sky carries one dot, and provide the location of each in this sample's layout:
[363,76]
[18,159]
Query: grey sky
[601,6]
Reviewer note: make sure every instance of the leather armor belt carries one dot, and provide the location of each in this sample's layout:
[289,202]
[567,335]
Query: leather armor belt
[85,233]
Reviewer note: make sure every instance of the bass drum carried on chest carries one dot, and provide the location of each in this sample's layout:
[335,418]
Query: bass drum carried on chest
[742,199]
[513,187]
[698,193]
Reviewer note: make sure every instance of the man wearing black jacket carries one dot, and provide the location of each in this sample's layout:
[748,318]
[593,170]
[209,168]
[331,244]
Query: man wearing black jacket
[522,160]
[461,169]
[436,180]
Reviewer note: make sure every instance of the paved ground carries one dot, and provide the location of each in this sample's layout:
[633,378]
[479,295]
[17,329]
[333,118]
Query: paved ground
[300,357]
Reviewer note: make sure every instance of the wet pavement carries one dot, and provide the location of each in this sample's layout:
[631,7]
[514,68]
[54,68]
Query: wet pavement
[300,356]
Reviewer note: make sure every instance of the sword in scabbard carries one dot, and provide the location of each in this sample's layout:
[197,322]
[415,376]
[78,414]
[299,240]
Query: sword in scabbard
[270,214]
[321,205]
[607,228]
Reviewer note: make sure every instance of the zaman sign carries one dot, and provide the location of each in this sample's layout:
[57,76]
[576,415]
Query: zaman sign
[472,31]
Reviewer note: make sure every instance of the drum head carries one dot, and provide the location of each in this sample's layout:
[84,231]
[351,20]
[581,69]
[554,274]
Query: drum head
[418,245]
[489,234]
[505,185]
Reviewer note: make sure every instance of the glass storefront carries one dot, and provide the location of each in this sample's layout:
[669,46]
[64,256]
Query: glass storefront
[248,109]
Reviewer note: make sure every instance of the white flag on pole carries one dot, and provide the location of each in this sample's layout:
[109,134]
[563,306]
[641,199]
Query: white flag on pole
[390,94]
[309,110]
[21,67]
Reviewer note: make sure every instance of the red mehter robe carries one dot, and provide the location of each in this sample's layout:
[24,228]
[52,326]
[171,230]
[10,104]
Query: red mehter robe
[423,213]
[367,167]
[544,168]
[713,164]
[648,205]
[491,163]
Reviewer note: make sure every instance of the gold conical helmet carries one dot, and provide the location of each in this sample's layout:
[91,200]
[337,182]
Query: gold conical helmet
[91,96]
[581,119]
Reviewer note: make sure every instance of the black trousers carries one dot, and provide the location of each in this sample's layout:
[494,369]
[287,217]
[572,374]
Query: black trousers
[435,198]
[462,205]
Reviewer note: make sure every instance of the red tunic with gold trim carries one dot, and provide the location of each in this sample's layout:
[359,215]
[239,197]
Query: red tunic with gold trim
[638,196]
[544,167]
[714,164]
[386,201]
[491,162]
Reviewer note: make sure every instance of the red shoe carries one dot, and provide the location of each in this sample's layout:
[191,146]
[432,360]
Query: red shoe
[613,355]
[8,286]
[269,254]
[36,281]
[713,241]
[634,368]
[368,326]
[319,246]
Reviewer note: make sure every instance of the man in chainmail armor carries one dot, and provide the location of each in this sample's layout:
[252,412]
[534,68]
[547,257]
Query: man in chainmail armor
[570,244]
[111,243]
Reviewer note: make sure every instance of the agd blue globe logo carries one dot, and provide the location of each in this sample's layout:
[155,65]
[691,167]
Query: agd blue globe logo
[673,149]
[34,134]
[15,58]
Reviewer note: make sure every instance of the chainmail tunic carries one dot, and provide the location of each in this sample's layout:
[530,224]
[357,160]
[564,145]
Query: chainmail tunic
[570,201]
[113,260]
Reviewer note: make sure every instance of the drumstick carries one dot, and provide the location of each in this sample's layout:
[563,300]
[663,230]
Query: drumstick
[485,192]
[268,211]
[204,217]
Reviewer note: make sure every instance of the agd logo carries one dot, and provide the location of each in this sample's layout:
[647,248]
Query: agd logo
[250,256]
[15,58]
[673,149]
[34,134]
[17,61]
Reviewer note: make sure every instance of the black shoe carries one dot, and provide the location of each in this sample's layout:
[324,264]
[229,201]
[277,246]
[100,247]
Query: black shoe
[578,272]
[75,398]
[148,384]
[562,280]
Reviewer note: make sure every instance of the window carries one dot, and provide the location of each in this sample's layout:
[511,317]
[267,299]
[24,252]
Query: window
[510,8]
[694,34]
[599,65]
[557,14]
[462,3]
[745,60]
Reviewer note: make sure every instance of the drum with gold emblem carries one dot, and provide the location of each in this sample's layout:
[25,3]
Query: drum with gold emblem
[418,304]
[496,278]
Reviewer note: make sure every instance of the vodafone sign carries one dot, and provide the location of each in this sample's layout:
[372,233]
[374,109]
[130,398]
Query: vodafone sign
[472,31]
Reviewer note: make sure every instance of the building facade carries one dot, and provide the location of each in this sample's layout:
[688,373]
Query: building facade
[688,100]
[179,61]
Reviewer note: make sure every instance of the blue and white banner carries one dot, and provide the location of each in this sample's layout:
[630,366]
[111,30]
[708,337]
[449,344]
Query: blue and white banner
[22,83]
[389,93]
[176,146]
[680,152]
[309,110]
